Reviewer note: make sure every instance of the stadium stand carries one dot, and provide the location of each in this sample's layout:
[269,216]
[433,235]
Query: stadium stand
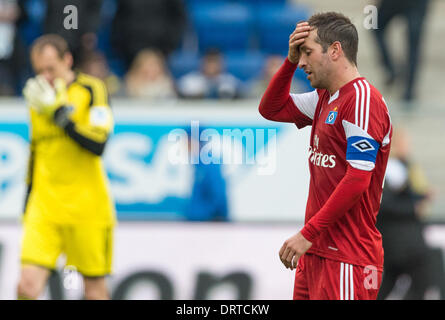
[245,31]
[274,23]
[225,26]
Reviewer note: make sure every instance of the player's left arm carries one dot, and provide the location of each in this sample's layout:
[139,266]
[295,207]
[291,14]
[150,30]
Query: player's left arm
[53,103]
[366,133]
[344,197]
[92,135]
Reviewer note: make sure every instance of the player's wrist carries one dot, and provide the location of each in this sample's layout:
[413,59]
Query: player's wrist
[290,66]
[309,233]
[61,116]
[292,60]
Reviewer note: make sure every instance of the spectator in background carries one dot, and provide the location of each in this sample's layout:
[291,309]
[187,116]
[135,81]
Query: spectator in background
[211,82]
[157,24]
[208,199]
[414,12]
[9,13]
[84,37]
[95,64]
[405,197]
[259,85]
[148,77]
[18,63]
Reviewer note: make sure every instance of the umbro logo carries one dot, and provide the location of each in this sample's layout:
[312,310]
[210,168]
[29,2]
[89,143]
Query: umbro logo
[363,146]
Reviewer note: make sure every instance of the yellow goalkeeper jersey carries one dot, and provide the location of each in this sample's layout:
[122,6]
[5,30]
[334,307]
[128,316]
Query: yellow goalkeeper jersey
[67,181]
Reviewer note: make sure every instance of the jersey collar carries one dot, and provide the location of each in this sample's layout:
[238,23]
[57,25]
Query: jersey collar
[348,86]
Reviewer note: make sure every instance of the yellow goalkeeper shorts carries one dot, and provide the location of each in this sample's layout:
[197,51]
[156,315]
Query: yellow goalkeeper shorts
[88,248]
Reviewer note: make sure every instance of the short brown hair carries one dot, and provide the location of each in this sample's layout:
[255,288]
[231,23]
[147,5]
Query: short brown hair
[333,26]
[53,40]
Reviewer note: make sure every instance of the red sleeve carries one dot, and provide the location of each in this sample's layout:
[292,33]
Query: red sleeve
[344,197]
[276,103]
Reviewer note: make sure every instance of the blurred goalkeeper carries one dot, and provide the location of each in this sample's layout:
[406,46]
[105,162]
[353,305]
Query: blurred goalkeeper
[68,205]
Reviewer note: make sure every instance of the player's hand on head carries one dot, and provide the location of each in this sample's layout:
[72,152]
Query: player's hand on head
[44,98]
[296,39]
[292,249]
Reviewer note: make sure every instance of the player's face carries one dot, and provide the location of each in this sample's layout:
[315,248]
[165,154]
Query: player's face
[314,61]
[49,64]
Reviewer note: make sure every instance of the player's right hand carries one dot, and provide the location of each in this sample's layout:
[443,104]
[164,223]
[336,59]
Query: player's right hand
[43,97]
[296,38]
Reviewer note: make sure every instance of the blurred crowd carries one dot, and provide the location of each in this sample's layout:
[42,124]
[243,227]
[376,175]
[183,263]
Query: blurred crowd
[169,49]
[131,45]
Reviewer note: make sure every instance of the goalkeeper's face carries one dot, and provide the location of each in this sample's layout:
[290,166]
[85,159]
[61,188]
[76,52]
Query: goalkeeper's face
[48,63]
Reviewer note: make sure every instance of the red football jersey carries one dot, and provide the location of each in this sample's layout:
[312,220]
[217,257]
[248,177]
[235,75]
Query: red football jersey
[352,127]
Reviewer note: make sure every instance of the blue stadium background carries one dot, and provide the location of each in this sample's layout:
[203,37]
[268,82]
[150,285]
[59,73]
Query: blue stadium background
[245,31]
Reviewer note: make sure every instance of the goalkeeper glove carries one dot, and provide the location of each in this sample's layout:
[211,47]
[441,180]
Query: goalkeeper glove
[43,97]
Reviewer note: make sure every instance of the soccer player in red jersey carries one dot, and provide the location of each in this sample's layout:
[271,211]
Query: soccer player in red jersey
[338,254]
